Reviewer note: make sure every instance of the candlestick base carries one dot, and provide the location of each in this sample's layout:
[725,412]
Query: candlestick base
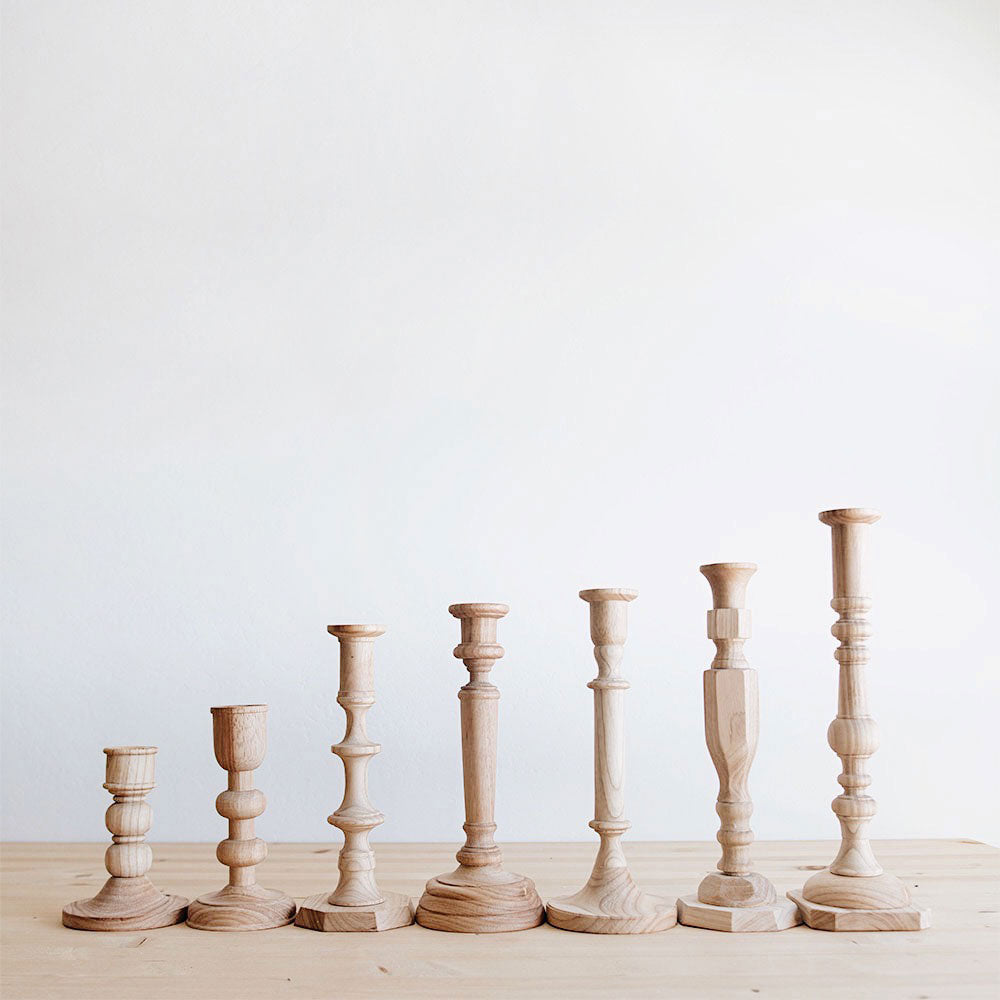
[125,904]
[317,913]
[839,918]
[484,900]
[235,908]
[859,903]
[612,904]
[778,915]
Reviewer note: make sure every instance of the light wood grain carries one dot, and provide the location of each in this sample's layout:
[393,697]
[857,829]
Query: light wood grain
[128,900]
[239,734]
[357,903]
[735,898]
[610,902]
[480,895]
[957,959]
[854,880]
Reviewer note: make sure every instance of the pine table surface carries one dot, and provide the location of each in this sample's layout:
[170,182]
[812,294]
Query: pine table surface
[958,957]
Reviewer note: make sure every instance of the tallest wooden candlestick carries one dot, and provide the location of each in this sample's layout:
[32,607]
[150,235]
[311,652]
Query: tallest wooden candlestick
[854,893]
[479,896]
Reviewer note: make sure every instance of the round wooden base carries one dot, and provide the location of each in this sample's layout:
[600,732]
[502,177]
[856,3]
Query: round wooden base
[317,914]
[822,917]
[486,907]
[230,910]
[84,915]
[776,916]
[648,915]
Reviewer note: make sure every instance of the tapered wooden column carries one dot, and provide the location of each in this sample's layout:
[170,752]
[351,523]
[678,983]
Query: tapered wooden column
[854,893]
[736,898]
[479,896]
[357,903]
[128,901]
[240,737]
[610,902]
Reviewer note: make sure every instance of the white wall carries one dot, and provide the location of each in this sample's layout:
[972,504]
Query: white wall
[344,312]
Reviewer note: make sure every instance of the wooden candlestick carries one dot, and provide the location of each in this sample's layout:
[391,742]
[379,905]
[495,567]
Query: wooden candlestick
[357,904]
[479,896]
[240,736]
[610,902]
[854,893]
[737,899]
[128,901]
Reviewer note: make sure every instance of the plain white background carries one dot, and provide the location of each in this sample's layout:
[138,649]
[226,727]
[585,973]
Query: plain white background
[344,312]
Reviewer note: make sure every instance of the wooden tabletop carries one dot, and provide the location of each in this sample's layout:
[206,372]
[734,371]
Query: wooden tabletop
[957,957]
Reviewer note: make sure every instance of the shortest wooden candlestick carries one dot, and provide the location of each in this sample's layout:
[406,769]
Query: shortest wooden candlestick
[240,735]
[128,901]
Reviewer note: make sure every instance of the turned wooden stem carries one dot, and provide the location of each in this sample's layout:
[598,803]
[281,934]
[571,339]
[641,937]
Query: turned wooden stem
[731,711]
[356,816]
[240,736]
[129,778]
[608,631]
[853,735]
[479,650]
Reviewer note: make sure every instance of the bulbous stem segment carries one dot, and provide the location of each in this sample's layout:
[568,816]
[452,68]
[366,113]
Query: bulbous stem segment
[356,816]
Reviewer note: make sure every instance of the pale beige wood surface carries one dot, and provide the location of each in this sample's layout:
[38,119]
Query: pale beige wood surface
[956,958]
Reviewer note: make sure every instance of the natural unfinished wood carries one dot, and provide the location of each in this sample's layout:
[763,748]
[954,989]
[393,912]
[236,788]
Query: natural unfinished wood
[956,960]
[128,901]
[357,903]
[479,896]
[735,898]
[855,880]
[610,902]
[240,737]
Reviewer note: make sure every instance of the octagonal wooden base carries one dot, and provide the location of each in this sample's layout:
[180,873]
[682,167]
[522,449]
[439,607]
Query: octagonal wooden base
[837,918]
[256,909]
[318,914]
[776,916]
